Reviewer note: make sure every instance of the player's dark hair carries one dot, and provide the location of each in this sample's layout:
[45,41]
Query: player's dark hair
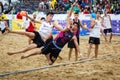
[42,18]
[49,13]
[76,13]
[76,24]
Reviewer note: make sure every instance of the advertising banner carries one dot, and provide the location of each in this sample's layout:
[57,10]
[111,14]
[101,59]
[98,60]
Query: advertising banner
[17,24]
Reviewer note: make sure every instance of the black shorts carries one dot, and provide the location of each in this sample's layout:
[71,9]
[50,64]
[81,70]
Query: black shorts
[71,43]
[94,40]
[48,41]
[107,30]
[28,30]
[3,30]
[38,40]
[52,49]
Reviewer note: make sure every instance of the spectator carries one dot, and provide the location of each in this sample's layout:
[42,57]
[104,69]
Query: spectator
[61,5]
[58,1]
[65,1]
[4,10]
[6,7]
[41,5]
[47,4]
[117,10]
[107,6]
[83,4]
[100,10]
[86,11]
[76,8]
[3,16]
[9,1]
[64,5]
[1,7]
[67,6]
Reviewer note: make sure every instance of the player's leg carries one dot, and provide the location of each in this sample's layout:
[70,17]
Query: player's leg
[32,53]
[76,55]
[29,41]
[110,36]
[31,35]
[70,52]
[29,47]
[105,34]
[89,49]
[48,59]
[96,50]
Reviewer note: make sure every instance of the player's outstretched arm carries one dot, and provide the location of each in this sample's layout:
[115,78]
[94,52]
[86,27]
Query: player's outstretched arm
[40,21]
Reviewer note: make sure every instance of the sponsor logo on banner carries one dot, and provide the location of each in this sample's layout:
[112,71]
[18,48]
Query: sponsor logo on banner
[18,25]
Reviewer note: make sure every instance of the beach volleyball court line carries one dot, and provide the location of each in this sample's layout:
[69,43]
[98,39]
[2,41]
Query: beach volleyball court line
[56,65]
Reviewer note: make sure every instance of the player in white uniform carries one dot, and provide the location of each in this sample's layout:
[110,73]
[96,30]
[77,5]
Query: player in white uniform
[40,37]
[3,26]
[26,24]
[95,35]
[107,25]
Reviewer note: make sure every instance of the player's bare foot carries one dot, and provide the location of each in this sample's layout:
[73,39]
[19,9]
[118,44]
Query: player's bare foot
[60,57]
[23,57]
[50,62]
[8,30]
[9,53]
[81,55]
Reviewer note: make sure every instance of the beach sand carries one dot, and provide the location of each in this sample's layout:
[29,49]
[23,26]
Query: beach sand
[103,69]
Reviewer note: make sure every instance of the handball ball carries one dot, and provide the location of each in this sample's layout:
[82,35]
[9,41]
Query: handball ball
[23,13]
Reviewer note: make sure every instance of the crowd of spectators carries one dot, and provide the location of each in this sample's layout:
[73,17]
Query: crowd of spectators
[84,6]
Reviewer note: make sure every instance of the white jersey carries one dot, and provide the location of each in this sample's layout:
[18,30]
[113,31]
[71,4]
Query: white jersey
[107,22]
[95,32]
[45,30]
[2,25]
[26,23]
